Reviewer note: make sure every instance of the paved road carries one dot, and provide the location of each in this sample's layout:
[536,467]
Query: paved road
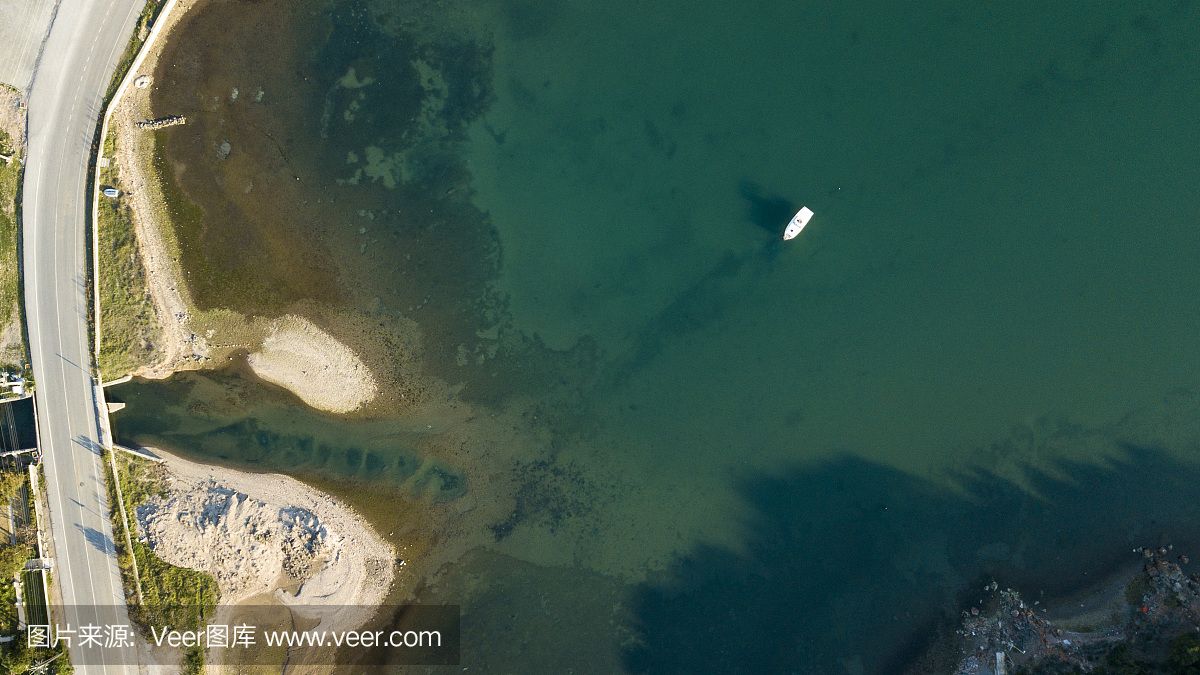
[23,28]
[65,104]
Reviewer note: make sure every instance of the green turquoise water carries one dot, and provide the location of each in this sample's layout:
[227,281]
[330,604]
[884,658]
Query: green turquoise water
[717,451]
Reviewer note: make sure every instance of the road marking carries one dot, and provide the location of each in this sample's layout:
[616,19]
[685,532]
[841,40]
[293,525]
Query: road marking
[85,346]
[58,230]
[61,453]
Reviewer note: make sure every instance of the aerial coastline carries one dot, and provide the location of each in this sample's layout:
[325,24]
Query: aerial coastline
[373,266]
[361,372]
[322,552]
[288,351]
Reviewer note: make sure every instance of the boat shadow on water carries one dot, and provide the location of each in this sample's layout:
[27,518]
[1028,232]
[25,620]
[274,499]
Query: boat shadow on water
[773,214]
[704,302]
[768,212]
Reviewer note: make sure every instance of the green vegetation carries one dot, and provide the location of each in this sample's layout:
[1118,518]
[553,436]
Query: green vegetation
[127,316]
[16,656]
[1136,589]
[127,319]
[10,482]
[145,21]
[13,556]
[171,595]
[1185,654]
[10,288]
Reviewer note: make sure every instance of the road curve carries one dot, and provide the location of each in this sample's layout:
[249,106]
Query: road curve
[66,101]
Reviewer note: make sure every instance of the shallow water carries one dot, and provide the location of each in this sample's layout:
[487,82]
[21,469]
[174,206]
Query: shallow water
[677,444]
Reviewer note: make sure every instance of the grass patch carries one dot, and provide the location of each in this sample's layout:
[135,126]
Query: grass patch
[127,320]
[145,21]
[127,315]
[175,596]
[6,144]
[10,283]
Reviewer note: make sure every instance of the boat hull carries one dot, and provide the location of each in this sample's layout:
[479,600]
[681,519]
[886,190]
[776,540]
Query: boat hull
[797,223]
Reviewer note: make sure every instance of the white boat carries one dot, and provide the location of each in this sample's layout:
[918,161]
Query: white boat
[797,223]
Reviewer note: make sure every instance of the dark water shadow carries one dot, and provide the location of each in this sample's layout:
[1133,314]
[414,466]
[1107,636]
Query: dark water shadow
[852,566]
[769,212]
[706,300]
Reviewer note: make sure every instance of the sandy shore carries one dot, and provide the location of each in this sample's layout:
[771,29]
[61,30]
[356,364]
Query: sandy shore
[268,536]
[289,351]
[265,538]
[325,374]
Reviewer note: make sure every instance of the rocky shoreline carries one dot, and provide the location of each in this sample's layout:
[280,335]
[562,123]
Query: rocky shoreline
[1156,628]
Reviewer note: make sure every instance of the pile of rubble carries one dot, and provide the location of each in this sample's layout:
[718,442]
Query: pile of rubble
[162,122]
